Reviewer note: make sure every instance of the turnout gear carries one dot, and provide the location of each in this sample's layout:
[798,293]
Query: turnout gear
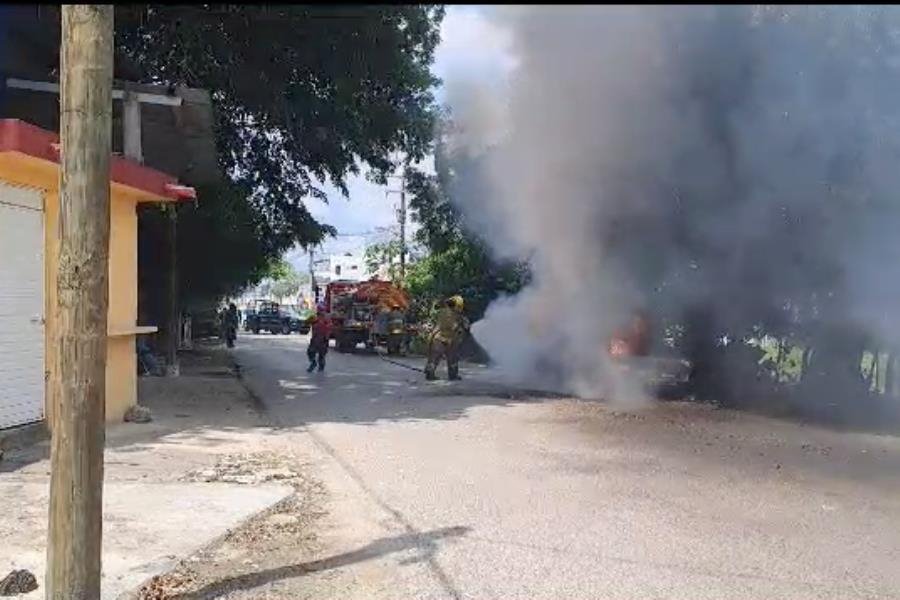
[396,318]
[450,329]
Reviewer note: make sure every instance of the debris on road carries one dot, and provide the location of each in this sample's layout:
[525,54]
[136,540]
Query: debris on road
[18,582]
[249,469]
[138,414]
[271,539]
[164,587]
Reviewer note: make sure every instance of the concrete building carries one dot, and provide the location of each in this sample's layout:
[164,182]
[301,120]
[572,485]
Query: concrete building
[341,266]
[29,246]
[346,267]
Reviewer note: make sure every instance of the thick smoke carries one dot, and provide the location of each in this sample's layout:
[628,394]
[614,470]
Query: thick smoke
[733,165]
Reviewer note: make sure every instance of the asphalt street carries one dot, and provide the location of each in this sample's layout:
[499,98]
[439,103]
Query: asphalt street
[472,490]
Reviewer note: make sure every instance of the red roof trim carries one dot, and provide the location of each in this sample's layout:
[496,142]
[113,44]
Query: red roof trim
[183,192]
[19,136]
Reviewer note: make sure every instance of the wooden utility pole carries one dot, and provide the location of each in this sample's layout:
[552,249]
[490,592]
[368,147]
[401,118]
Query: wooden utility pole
[78,385]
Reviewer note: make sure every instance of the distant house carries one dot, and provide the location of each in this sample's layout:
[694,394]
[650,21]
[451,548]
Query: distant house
[334,267]
[29,246]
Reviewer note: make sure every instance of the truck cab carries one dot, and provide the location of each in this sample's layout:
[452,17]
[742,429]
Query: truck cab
[268,316]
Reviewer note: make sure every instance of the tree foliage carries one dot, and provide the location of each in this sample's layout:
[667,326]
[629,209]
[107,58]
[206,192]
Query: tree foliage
[303,93]
[385,255]
[222,244]
[285,282]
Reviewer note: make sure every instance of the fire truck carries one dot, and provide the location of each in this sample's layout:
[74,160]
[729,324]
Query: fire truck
[360,314]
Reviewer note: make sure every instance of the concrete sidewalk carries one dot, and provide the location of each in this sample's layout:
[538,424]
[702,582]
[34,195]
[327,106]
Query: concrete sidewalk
[159,505]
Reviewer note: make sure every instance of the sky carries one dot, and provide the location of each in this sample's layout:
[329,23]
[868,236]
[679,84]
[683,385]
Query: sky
[472,48]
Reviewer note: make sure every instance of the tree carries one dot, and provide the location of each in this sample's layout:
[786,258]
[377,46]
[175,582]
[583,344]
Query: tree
[285,281]
[302,95]
[385,255]
[78,383]
[324,90]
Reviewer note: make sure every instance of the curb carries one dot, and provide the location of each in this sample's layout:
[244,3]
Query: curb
[23,436]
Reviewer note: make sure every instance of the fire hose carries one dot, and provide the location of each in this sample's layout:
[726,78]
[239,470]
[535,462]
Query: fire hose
[467,333]
[400,364]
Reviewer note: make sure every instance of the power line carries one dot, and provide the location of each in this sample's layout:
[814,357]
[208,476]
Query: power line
[358,234]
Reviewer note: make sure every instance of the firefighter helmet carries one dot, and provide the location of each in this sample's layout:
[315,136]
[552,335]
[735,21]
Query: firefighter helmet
[457,302]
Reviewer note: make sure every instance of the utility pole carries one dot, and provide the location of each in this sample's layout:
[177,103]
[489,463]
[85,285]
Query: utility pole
[402,218]
[402,230]
[312,276]
[78,383]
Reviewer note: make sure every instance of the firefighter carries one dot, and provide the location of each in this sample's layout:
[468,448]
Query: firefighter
[320,333]
[395,329]
[450,329]
[396,318]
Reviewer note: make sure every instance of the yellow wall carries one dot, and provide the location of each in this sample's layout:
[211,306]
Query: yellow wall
[121,369]
[51,252]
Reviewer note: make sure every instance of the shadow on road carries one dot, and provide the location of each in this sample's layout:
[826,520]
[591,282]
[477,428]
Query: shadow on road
[426,544]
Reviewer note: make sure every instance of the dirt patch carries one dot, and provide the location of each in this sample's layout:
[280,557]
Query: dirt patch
[244,556]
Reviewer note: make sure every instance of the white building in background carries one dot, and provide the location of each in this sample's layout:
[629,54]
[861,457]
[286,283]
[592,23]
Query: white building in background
[341,266]
[346,267]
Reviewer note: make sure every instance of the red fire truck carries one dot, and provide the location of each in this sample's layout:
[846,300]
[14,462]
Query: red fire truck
[359,313]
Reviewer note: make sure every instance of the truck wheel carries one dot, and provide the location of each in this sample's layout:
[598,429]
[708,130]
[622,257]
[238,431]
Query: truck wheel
[255,330]
[286,329]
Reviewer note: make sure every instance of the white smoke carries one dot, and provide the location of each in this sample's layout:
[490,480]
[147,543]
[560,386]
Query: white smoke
[657,144]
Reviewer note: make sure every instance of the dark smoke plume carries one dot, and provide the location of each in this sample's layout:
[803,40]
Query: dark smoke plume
[733,170]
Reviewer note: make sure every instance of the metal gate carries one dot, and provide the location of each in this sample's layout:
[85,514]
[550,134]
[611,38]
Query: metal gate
[21,306]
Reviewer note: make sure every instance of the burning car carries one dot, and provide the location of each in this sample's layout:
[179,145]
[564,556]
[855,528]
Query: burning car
[629,349]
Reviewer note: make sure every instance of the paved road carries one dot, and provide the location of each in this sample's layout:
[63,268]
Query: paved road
[448,491]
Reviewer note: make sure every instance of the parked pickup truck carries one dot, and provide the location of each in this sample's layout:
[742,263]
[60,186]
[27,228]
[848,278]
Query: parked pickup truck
[269,317]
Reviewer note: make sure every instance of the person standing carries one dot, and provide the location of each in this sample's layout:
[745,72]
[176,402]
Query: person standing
[320,334]
[450,328]
[231,320]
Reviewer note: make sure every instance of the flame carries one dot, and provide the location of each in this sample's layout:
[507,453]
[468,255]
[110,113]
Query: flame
[630,341]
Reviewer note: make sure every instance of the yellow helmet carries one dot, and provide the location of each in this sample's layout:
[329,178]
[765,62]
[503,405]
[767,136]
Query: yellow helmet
[457,302]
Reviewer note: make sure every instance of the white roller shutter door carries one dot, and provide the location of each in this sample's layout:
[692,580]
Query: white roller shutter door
[21,306]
